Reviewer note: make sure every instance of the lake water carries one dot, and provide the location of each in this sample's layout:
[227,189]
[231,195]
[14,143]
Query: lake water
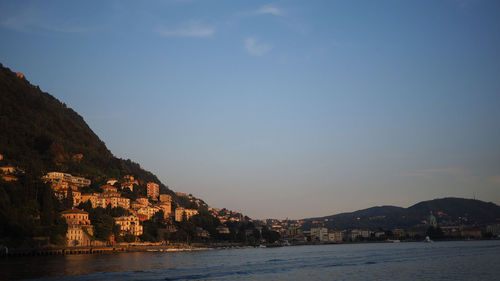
[465,260]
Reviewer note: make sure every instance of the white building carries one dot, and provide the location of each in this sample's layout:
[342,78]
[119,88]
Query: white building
[319,233]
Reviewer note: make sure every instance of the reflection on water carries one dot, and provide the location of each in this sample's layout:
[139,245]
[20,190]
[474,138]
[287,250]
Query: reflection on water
[474,260]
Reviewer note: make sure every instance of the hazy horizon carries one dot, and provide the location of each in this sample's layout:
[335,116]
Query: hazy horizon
[279,109]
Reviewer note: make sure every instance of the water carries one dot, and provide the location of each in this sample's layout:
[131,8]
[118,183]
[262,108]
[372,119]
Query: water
[465,260]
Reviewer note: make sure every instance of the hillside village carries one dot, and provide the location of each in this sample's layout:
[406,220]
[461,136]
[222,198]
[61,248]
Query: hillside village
[132,209]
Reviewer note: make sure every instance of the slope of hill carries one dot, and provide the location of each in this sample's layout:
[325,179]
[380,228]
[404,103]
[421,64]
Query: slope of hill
[41,134]
[448,211]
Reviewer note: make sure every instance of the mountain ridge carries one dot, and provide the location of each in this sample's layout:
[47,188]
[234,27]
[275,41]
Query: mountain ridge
[448,210]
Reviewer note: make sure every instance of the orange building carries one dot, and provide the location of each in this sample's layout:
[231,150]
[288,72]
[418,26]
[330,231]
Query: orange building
[153,190]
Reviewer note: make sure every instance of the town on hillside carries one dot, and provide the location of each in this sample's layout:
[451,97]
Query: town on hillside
[129,210]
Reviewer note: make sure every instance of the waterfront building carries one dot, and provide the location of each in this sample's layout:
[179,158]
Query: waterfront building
[494,229]
[471,232]
[357,234]
[80,229]
[336,236]
[319,234]
[153,190]
[398,233]
[129,224]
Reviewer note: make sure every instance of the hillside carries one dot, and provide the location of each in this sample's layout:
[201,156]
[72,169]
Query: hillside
[448,211]
[41,134]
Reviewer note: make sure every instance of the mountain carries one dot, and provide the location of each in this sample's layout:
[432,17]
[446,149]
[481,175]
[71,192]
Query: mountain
[41,134]
[448,211]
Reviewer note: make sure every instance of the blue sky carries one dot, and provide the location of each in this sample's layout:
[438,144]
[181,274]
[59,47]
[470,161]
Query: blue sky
[279,109]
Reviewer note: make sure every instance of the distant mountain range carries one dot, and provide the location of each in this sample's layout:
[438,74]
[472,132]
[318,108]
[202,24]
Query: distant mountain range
[448,211]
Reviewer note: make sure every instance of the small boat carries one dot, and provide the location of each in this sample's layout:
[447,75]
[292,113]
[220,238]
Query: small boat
[428,240]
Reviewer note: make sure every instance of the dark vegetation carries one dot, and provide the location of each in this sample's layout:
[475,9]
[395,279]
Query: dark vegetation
[29,213]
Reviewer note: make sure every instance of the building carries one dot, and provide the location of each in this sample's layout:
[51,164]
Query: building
[335,236]
[80,229]
[117,201]
[494,229]
[109,189]
[432,220]
[471,232]
[63,179]
[180,194]
[128,184]
[129,224]
[165,198]
[148,211]
[104,199]
[181,212]
[143,200]
[166,207]
[9,173]
[153,190]
[111,181]
[357,234]
[77,197]
[319,234]
[398,233]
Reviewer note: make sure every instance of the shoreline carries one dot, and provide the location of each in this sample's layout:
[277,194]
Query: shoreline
[147,247]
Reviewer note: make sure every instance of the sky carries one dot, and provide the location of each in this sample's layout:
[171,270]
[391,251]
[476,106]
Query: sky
[279,109]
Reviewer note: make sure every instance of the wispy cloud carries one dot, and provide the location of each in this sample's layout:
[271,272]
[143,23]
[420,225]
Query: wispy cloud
[270,10]
[255,48]
[190,29]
